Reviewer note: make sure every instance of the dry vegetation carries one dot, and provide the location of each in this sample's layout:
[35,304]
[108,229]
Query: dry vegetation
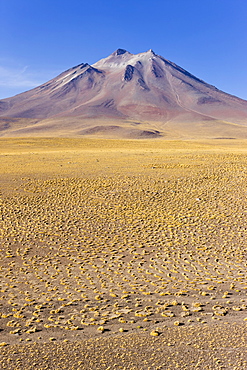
[132,245]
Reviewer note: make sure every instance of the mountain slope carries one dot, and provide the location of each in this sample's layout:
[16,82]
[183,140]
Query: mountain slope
[124,88]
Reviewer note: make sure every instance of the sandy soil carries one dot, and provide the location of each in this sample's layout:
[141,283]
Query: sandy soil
[123,254]
[214,347]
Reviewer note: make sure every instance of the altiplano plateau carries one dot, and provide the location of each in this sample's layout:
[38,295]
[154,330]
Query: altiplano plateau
[127,254]
[123,220]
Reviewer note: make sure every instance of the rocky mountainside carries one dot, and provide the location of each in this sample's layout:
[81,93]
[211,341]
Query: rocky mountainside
[142,93]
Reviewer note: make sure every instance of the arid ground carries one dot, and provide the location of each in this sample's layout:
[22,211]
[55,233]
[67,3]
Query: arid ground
[123,254]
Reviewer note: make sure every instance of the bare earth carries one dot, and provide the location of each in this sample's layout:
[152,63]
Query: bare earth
[126,254]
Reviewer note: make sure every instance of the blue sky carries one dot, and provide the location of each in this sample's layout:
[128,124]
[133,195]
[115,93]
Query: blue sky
[40,39]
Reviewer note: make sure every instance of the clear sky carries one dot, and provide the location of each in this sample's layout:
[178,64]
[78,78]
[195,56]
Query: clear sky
[40,39]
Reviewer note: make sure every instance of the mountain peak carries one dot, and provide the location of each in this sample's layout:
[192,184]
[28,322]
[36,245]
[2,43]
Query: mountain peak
[142,87]
[150,51]
[120,52]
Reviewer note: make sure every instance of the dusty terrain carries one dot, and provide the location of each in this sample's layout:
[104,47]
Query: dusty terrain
[123,254]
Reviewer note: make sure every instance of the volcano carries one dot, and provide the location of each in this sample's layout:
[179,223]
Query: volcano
[125,95]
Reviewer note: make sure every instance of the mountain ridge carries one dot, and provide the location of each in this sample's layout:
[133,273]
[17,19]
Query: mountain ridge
[126,87]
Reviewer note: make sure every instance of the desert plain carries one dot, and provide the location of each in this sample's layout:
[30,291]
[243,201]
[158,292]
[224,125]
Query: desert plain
[123,254]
